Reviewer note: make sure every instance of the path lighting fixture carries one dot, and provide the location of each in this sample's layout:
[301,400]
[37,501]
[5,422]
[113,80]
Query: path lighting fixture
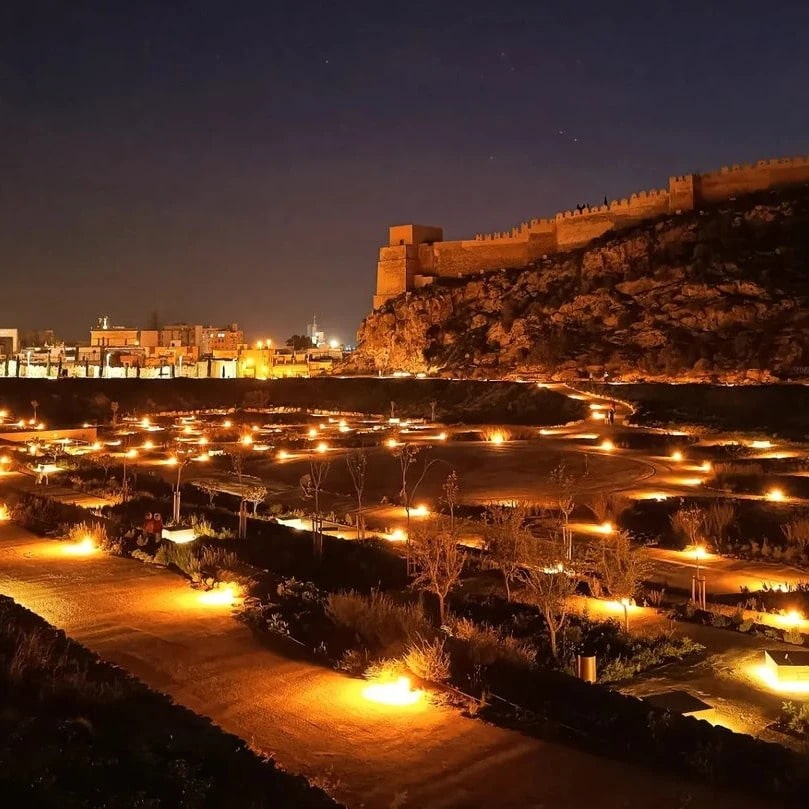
[397,535]
[392,443]
[246,440]
[203,441]
[792,618]
[283,455]
[85,547]
[222,596]
[706,466]
[775,495]
[148,445]
[761,444]
[395,692]
[677,456]
[442,436]
[497,438]
[607,445]
[322,447]
[606,528]
[420,511]
[145,423]
[312,432]
[227,424]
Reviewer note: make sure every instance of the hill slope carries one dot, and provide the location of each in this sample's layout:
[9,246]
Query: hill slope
[721,293]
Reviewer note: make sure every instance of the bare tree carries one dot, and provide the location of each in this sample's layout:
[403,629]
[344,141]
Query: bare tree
[357,463]
[105,461]
[433,406]
[620,567]
[549,585]
[438,559]
[407,455]
[35,406]
[256,495]
[689,521]
[507,540]
[208,488]
[450,497]
[564,502]
[114,406]
[237,458]
[311,486]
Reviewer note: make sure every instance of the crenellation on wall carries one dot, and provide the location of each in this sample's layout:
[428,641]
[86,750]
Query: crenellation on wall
[422,252]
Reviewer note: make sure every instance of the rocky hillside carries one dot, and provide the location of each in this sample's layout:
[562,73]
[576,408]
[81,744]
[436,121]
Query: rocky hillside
[719,294]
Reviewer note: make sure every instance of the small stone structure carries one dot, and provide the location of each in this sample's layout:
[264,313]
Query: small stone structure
[790,666]
[417,254]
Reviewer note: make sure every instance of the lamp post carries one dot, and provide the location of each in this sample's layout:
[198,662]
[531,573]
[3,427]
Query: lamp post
[130,454]
[180,462]
[698,593]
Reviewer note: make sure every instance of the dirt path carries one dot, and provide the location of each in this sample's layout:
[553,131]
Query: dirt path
[313,720]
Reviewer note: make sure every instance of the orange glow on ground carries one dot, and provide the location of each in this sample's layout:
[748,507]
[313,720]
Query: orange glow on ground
[283,455]
[497,438]
[322,447]
[223,596]
[84,548]
[397,692]
[676,456]
[607,445]
[420,511]
[775,495]
[767,677]
[397,535]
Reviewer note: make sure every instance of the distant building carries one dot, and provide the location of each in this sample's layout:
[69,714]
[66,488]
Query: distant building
[317,336]
[221,341]
[9,342]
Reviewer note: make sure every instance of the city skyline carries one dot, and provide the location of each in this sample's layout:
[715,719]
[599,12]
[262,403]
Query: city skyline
[197,164]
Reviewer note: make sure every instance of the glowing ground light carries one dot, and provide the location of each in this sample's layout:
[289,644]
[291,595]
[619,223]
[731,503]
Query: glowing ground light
[676,456]
[607,445]
[283,455]
[397,692]
[605,528]
[420,511]
[775,495]
[227,424]
[706,466]
[761,444]
[322,447]
[145,423]
[172,461]
[792,618]
[148,445]
[442,436]
[767,674]
[222,597]
[397,535]
[392,443]
[84,548]
[497,438]
[312,432]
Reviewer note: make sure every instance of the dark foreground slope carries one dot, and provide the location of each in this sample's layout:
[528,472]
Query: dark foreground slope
[79,732]
[720,294]
[73,401]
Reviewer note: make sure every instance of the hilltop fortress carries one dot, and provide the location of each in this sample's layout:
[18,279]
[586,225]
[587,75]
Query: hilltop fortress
[417,254]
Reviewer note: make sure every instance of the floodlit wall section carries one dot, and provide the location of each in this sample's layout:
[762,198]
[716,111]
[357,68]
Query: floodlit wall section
[416,253]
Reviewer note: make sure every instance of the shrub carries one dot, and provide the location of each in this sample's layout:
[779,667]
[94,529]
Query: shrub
[645,652]
[793,636]
[427,660]
[485,644]
[796,532]
[383,625]
[385,670]
[796,717]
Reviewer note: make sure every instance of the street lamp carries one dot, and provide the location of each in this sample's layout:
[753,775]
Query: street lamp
[180,462]
[698,592]
[130,454]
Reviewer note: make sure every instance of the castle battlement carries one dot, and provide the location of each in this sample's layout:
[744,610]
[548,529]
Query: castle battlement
[416,254]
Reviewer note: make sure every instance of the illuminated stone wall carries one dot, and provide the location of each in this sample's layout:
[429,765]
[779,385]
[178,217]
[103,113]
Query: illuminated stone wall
[420,251]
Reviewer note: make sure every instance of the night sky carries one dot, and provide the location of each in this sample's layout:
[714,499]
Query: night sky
[223,162]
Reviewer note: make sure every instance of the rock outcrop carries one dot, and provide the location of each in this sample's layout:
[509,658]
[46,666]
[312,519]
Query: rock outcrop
[717,294]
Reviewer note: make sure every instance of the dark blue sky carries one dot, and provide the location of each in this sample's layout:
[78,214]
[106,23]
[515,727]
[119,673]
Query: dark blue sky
[241,161]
